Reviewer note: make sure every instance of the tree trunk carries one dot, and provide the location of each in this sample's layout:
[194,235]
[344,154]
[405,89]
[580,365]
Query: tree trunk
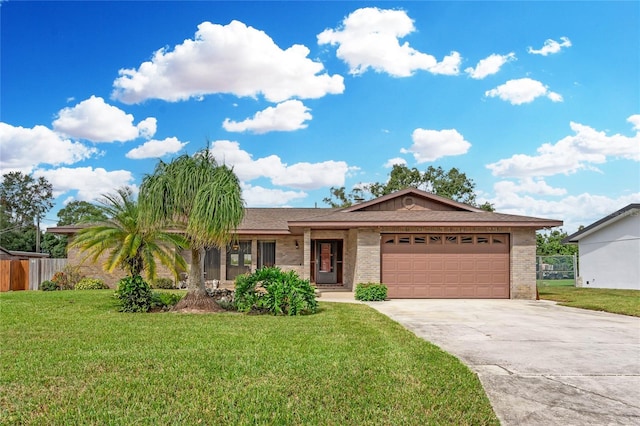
[197,298]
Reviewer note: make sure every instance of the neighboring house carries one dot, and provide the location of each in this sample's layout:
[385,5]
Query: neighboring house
[609,250]
[20,255]
[420,245]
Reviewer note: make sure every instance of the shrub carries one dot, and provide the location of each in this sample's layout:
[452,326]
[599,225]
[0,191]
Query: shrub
[272,290]
[67,278]
[91,284]
[164,300]
[134,294]
[371,291]
[164,283]
[48,286]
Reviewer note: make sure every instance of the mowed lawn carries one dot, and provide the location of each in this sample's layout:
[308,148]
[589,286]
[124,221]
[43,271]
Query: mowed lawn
[625,302]
[70,358]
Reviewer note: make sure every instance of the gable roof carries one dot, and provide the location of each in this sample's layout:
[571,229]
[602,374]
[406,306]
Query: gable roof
[453,205]
[631,209]
[387,211]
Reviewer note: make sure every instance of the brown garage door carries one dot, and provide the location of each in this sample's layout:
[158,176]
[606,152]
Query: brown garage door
[452,266]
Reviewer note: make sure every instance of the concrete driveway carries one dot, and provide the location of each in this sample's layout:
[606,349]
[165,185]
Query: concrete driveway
[540,364]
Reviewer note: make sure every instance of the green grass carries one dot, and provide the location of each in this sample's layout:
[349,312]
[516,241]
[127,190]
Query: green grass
[556,283]
[626,302]
[68,357]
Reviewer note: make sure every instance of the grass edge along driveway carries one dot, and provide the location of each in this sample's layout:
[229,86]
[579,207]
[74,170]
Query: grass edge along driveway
[69,358]
[624,302]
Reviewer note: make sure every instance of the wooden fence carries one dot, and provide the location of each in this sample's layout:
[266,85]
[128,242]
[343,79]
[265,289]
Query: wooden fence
[28,274]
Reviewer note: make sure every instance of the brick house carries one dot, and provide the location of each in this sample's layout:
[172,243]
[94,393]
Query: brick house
[420,245]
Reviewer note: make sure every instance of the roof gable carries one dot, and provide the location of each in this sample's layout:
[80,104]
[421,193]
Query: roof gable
[411,199]
[630,210]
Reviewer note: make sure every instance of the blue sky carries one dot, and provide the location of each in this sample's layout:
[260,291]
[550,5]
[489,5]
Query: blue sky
[537,102]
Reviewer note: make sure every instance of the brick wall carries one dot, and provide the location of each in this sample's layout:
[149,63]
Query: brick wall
[523,264]
[95,270]
[368,257]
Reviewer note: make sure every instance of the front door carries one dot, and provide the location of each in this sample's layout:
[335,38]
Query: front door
[326,256]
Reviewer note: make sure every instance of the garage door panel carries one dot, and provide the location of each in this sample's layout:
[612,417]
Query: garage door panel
[446,266]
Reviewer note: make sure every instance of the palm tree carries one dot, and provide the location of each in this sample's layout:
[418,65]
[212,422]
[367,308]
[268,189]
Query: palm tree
[203,200]
[129,243]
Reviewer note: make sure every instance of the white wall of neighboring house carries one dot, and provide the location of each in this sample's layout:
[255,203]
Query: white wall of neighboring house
[610,256]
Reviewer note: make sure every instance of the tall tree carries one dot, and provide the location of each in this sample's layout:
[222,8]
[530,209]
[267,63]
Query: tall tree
[23,201]
[549,243]
[129,243]
[201,198]
[450,184]
[77,212]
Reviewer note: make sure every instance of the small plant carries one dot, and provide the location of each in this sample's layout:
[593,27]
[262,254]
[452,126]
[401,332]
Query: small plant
[272,290]
[371,292]
[48,286]
[67,278]
[91,284]
[163,283]
[134,294]
[163,300]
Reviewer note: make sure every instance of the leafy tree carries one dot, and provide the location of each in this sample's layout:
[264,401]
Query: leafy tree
[451,184]
[80,212]
[129,242]
[201,198]
[342,198]
[23,200]
[75,212]
[55,245]
[550,243]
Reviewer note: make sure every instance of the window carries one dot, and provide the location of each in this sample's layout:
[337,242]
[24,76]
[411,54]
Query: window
[466,239]
[483,239]
[390,240]
[404,240]
[419,239]
[451,239]
[498,239]
[435,239]
[266,254]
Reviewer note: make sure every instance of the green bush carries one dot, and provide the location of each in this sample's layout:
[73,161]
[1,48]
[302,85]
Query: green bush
[164,300]
[274,291]
[371,291]
[134,294]
[91,284]
[163,283]
[67,278]
[48,286]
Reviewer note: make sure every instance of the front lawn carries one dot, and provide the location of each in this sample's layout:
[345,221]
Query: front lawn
[626,302]
[69,357]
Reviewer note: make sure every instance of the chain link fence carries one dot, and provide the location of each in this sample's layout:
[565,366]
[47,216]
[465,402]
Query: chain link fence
[556,270]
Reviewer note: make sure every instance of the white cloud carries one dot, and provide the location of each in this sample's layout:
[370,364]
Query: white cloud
[284,117]
[635,120]
[231,58]
[89,182]
[528,186]
[429,145]
[95,120]
[147,127]
[258,196]
[299,175]
[570,154]
[489,65]
[369,38]
[522,91]
[550,46]
[23,149]
[156,149]
[574,210]
[393,161]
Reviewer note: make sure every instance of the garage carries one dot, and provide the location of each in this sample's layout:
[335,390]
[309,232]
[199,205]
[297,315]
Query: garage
[445,266]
